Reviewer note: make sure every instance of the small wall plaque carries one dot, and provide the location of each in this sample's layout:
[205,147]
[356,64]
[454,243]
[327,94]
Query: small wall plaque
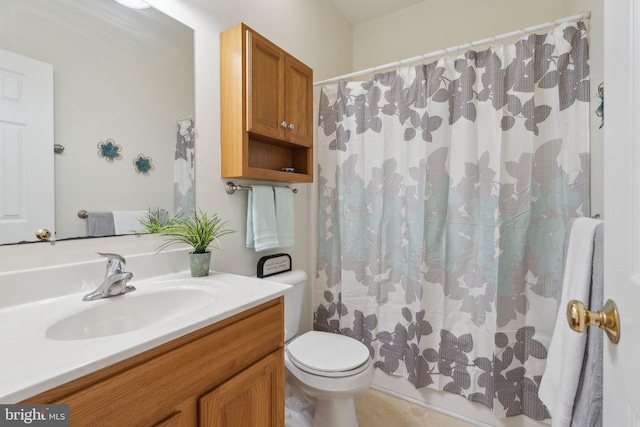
[273,264]
[109,150]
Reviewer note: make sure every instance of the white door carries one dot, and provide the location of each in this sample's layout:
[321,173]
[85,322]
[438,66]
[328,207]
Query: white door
[622,209]
[26,148]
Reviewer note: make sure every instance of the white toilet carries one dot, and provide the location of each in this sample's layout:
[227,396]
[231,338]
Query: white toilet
[328,368]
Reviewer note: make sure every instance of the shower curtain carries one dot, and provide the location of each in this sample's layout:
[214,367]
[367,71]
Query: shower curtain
[444,191]
[184,170]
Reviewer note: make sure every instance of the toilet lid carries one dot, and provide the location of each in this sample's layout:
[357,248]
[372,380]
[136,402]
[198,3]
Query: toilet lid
[327,352]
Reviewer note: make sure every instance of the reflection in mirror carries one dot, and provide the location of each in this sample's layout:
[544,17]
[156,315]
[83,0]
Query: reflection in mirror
[119,75]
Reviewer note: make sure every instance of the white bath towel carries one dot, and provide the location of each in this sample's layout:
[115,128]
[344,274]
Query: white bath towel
[128,222]
[564,359]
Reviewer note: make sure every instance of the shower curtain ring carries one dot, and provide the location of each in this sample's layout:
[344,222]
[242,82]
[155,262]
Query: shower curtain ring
[441,53]
[469,46]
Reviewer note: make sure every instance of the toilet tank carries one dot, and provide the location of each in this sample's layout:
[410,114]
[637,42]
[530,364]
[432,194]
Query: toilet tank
[293,299]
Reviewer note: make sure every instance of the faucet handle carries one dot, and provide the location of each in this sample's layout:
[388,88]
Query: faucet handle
[115,262]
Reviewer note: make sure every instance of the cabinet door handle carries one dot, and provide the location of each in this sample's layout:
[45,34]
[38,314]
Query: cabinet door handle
[283,124]
[291,126]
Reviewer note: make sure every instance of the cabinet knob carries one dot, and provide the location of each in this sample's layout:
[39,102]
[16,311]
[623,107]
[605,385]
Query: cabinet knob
[283,124]
[291,126]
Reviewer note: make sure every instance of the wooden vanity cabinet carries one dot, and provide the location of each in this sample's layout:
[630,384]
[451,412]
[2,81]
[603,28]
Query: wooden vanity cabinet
[227,374]
[266,109]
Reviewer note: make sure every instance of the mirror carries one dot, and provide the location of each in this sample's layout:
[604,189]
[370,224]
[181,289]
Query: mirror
[118,74]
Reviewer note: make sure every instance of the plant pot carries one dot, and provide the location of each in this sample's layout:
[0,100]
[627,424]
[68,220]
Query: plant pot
[199,264]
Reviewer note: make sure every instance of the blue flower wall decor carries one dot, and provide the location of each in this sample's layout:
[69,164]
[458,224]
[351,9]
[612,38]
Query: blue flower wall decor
[143,164]
[109,150]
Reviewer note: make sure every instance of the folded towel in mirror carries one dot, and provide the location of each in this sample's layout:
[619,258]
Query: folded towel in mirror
[128,222]
[100,224]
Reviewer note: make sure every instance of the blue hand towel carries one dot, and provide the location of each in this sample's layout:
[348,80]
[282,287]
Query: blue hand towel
[284,216]
[262,232]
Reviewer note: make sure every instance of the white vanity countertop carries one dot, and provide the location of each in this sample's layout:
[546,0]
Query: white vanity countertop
[31,362]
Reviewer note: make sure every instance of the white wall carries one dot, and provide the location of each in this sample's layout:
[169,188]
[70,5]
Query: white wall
[434,25]
[319,37]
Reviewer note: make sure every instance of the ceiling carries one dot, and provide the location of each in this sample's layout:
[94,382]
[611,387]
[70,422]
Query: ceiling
[359,11]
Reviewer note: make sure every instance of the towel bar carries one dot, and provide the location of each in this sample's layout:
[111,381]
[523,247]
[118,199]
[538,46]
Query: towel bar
[82,214]
[231,188]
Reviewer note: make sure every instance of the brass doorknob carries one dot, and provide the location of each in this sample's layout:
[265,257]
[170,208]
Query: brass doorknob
[579,318]
[43,234]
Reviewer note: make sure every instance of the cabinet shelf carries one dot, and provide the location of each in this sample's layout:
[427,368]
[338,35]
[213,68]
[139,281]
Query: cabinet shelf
[266,110]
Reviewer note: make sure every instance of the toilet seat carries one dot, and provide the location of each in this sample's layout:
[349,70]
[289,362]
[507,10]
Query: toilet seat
[328,354]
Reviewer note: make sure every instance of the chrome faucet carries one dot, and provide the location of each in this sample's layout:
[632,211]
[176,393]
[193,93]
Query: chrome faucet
[115,279]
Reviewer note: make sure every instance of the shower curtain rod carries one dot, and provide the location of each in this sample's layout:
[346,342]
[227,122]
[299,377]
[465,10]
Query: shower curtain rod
[580,16]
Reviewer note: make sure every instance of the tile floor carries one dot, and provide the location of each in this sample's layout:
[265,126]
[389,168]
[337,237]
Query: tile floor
[377,409]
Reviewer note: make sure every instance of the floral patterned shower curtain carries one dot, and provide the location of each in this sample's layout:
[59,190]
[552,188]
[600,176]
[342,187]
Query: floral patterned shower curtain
[444,191]
[184,170]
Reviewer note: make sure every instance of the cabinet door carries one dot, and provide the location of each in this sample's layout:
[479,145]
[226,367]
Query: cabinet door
[298,102]
[254,397]
[265,103]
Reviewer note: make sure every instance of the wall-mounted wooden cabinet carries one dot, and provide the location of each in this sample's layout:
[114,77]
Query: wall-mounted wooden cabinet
[266,109]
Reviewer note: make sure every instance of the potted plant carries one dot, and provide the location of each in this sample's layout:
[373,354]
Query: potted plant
[199,231]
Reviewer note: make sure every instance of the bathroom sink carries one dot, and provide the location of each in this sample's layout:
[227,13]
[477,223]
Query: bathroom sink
[130,312]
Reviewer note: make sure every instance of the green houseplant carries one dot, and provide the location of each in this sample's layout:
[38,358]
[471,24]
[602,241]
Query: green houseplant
[199,231]
[155,221]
